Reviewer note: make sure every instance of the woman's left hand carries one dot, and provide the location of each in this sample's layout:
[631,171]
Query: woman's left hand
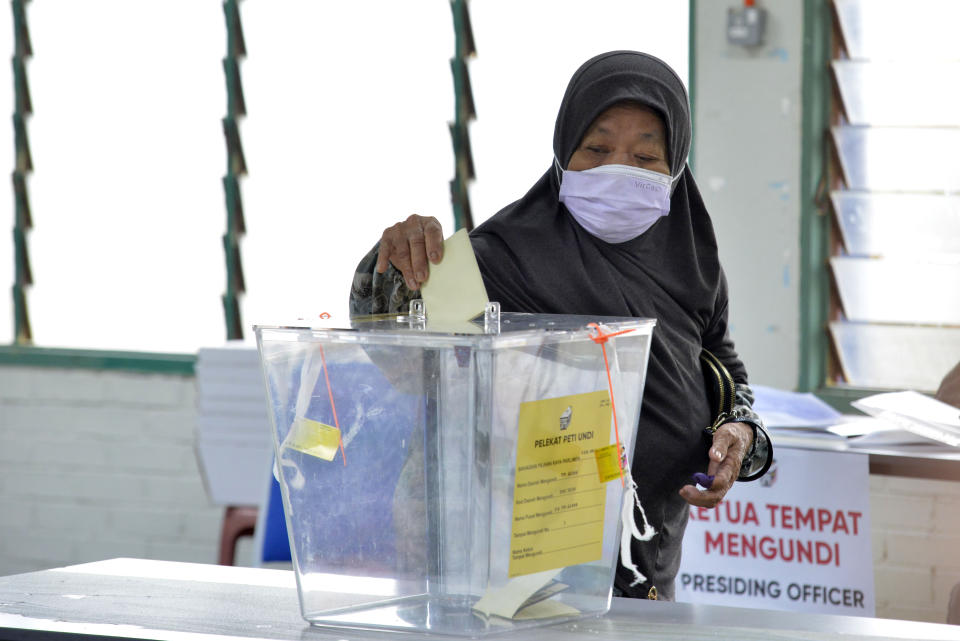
[731,442]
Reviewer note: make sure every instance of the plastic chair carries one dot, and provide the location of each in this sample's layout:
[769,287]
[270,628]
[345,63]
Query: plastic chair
[270,540]
[237,521]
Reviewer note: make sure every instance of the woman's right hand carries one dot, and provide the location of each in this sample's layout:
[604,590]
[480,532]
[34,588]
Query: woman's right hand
[409,245]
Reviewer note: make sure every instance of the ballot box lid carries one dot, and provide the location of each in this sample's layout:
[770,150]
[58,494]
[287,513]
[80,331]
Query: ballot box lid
[491,330]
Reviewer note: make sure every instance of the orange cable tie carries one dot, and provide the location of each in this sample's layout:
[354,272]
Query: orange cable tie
[336,422]
[601,339]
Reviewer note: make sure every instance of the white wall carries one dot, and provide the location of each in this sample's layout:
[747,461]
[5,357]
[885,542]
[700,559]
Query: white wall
[95,465]
[746,142]
[916,538]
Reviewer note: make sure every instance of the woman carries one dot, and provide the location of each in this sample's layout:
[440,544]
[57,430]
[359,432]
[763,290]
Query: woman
[615,227]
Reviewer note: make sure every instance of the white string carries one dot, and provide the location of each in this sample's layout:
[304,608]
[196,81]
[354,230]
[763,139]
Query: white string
[309,374]
[629,530]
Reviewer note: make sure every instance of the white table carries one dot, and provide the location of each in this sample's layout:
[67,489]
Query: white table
[138,599]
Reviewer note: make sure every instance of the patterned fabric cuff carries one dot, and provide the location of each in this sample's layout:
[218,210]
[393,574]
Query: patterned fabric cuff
[375,293]
[760,455]
[758,459]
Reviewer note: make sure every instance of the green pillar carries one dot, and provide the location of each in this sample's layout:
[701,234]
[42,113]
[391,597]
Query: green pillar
[23,165]
[464,112]
[814,190]
[236,167]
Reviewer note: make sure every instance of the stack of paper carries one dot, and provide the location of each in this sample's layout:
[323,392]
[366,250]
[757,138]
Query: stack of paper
[893,419]
[912,416]
[798,418]
[780,408]
[233,429]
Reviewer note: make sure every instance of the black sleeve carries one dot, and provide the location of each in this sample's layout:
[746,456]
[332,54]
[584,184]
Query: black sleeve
[717,339]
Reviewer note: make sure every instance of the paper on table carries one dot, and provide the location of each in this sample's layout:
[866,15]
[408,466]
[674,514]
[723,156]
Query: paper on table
[915,413]
[518,592]
[546,610]
[867,431]
[912,404]
[454,291]
[780,408]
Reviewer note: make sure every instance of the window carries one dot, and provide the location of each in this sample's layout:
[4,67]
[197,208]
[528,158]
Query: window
[6,203]
[346,135]
[125,193]
[895,322]
[346,132]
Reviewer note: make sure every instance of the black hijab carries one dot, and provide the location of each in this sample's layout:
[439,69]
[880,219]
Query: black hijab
[535,257]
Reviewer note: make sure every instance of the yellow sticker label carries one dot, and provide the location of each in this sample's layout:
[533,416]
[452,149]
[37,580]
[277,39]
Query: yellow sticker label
[558,499]
[314,438]
[608,468]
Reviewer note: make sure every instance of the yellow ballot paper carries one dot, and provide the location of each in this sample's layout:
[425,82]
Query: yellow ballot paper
[506,600]
[313,438]
[546,610]
[526,597]
[558,499]
[454,291]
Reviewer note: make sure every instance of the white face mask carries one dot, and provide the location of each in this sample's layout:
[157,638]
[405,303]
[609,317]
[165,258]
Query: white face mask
[616,203]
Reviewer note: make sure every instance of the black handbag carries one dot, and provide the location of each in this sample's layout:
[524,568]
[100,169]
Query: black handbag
[722,395]
[721,390]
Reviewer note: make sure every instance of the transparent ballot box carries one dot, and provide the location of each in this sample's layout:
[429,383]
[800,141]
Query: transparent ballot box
[454,478]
